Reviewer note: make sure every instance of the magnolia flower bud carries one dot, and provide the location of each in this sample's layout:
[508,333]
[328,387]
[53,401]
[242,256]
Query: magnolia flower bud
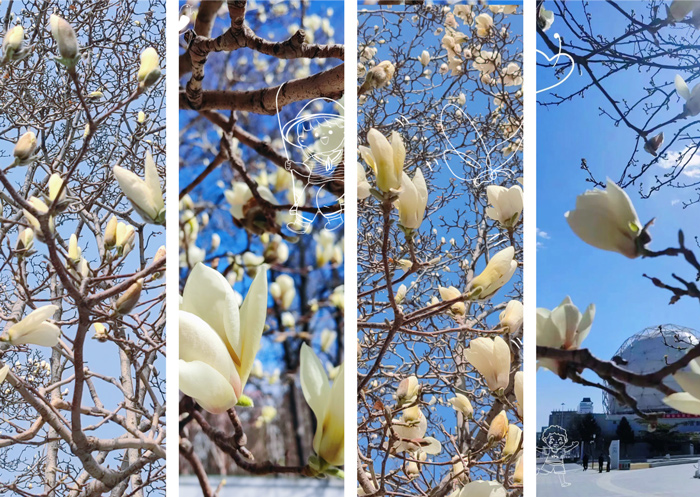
[491,357]
[515,434]
[413,199]
[400,294]
[130,298]
[606,219]
[449,293]
[101,332]
[13,43]
[498,427]
[40,206]
[25,146]
[149,70]
[327,339]
[65,37]
[215,242]
[497,273]
[518,472]
[653,144]
[25,241]
[461,403]
[74,252]
[385,158]
[110,239]
[56,186]
[425,58]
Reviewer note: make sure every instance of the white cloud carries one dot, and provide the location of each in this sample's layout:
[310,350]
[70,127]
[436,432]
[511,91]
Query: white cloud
[543,234]
[688,157]
[675,201]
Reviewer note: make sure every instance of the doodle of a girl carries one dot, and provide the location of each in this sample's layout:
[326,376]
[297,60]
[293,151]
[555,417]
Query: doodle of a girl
[555,440]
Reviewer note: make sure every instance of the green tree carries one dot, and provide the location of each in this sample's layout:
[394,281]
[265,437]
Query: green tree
[625,434]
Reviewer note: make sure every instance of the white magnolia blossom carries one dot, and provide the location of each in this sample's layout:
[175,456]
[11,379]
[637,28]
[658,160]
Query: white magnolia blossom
[219,341]
[408,391]
[449,293]
[606,219]
[511,318]
[327,403]
[498,429]
[687,401]
[486,63]
[491,357]
[506,204]
[410,429]
[497,273]
[512,75]
[545,19]
[679,9]
[378,77]
[692,98]
[385,158]
[483,488]
[35,329]
[13,43]
[145,195]
[564,327]
[412,201]
[513,437]
[462,404]
[484,25]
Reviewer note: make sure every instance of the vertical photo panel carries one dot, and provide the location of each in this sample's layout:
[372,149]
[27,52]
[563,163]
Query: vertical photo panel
[82,255]
[618,387]
[261,248]
[440,249]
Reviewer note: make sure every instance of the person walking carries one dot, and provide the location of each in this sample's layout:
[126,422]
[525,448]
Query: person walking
[600,463]
[585,462]
[607,466]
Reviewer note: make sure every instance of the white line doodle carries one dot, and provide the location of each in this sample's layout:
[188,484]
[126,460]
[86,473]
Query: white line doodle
[553,57]
[321,139]
[557,446]
[487,172]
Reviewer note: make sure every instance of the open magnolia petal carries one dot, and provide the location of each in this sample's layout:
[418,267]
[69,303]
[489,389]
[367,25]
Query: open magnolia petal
[482,488]
[332,442]
[682,87]
[431,446]
[206,385]
[690,382]
[3,372]
[252,314]
[314,381]
[208,295]
[683,402]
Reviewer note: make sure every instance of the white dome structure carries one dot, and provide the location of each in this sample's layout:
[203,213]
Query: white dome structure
[650,350]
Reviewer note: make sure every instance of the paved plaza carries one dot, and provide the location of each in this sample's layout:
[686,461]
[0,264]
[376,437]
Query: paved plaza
[266,487]
[666,481]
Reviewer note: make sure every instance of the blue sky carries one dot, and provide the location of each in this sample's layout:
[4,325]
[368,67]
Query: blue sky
[625,301]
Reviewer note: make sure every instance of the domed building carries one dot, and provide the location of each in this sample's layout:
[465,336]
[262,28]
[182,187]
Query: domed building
[650,350]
